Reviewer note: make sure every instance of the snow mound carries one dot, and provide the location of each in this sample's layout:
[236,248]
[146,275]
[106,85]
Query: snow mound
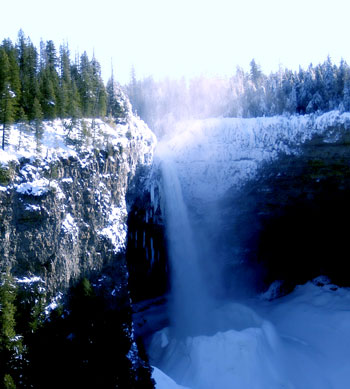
[301,342]
[163,381]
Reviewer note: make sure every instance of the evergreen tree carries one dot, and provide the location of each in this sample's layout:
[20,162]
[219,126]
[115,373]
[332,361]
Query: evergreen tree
[28,67]
[49,82]
[9,382]
[38,124]
[98,91]
[48,99]
[14,77]
[86,87]
[89,346]
[346,94]
[10,345]
[7,96]
[342,75]
[255,73]
[329,85]
[65,90]
[115,100]
[75,105]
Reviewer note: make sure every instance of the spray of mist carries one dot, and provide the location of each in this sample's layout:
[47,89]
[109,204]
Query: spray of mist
[190,299]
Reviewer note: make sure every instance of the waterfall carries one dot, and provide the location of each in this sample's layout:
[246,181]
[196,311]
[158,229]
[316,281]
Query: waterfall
[222,340]
[190,299]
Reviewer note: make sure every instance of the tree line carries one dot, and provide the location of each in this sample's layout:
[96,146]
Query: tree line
[247,94]
[319,88]
[46,84]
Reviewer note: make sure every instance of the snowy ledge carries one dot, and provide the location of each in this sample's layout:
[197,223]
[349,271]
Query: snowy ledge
[224,152]
[62,139]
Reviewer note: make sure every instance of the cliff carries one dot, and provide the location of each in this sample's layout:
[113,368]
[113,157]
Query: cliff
[269,195]
[63,209]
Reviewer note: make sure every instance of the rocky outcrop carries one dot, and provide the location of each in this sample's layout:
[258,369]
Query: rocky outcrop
[146,252]
[63,213]
[289,222]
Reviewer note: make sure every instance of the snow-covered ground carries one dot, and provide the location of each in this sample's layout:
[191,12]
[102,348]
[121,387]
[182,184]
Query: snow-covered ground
[61,139]
[300,341]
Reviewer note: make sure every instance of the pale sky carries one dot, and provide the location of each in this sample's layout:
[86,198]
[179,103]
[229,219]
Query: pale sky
[187,37]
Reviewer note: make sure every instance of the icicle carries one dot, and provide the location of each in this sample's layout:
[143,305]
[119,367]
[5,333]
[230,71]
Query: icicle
[152,193]
[136,239]
[152,252]
[144,239]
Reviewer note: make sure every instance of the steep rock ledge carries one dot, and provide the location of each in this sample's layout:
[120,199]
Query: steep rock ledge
[269,195]
[63,213]
[147,249]
[289,222]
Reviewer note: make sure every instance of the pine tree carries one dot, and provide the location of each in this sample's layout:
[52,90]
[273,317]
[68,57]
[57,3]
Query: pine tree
[346,93]
[38,124]
[85,86]
[115,102]
[65,90]
[28,69]
[49,82]
[98,91]
[48,100]
[9,382]
[255,73]
[14,77]
[7,96]
[75,104]
[10,345]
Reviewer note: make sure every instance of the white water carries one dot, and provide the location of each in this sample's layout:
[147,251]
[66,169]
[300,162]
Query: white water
[190,300]
[301,341]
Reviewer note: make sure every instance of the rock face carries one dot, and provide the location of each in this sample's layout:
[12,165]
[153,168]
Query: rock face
[146,252]
[271,194]
[292,217]
[63,214]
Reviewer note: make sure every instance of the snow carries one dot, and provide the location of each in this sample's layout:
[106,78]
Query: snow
[69,226]
[32,208]
[299,341]
[60,140]
[67,180]
[224,152]
[54,303]
[28,280]
[116,230]
[35,188]
[163,381]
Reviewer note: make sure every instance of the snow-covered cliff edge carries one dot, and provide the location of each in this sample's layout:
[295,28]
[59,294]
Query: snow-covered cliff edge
[214,155]
[62,196]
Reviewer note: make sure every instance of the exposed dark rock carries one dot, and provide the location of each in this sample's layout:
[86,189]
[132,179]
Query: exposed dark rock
[290,222]
[146,250]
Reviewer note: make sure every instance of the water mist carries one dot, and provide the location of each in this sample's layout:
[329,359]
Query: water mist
[190,300]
